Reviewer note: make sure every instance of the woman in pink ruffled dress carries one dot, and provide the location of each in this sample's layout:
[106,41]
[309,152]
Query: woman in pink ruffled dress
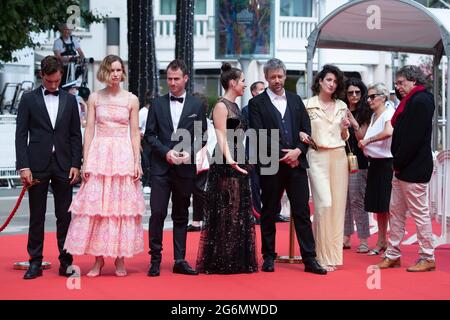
[107,210]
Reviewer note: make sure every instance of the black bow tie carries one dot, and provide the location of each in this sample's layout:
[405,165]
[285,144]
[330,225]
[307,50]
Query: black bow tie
[55,93]
[180,99]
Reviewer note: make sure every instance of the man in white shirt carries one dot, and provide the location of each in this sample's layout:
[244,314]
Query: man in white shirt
[48,148]
[279,111]
[170,124]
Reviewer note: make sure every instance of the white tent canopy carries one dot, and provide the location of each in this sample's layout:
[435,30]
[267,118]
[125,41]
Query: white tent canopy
[386,25]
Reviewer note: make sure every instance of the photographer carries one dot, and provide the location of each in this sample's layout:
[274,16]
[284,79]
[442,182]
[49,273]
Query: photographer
[66,48]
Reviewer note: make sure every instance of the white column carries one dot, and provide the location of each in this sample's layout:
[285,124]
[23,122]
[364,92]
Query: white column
[245,62]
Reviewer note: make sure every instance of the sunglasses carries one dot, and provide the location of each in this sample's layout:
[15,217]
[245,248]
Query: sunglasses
[373,96]
[355,92]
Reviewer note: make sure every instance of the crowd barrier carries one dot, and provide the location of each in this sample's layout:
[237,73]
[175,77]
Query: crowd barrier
[8,171]
[439,198]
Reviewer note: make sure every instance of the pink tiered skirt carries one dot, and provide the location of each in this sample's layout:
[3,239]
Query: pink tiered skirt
[107,210]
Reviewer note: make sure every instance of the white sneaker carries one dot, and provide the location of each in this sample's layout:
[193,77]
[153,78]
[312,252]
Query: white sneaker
[146,190]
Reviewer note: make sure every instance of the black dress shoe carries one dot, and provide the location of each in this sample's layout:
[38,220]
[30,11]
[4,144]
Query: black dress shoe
[64,272]
[313,266]
[34,271]
[183,267]
[268,265]
[154,270]
[191,228]
[281,218]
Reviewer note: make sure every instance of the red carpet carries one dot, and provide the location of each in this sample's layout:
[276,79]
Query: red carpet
[288,282]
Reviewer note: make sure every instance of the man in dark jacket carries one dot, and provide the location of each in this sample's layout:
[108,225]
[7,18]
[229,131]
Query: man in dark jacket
[271,112]
[170,127]
[48,148]
[413,166]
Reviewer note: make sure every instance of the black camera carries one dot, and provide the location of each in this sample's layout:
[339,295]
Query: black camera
[87,60]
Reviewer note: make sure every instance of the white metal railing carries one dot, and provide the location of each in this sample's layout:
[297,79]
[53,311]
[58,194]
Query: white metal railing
[439,197]
[165,26]
[296,27]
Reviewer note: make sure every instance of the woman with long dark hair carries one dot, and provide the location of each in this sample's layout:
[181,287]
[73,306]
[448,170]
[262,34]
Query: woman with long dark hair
[359,115]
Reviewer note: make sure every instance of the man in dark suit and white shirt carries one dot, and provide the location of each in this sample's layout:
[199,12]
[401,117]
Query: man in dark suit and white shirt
[255,89]
[48,148]
[279,110]
[173,170]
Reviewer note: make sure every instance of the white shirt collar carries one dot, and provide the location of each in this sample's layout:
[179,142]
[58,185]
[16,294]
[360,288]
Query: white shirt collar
[182,96]
[274,96]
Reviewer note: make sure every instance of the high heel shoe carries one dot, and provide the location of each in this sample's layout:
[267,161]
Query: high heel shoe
[120,273]
[92,273]
[330,268]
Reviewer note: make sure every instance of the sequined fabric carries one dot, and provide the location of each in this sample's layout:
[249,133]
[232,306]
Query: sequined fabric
[227,243]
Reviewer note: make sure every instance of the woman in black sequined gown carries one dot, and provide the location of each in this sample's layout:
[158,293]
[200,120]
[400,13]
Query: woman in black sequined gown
[227,243]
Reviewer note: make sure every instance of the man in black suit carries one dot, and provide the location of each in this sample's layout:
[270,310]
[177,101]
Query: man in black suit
[173,166]
[255,89]
[48,148]
[277,110]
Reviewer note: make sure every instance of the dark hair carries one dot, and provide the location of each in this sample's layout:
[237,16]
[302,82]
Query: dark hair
[412,73]
[362,111]
[203,99]
[328,68]
[50,65]
[229,73]
[177,64]
[84,92]
[254,84]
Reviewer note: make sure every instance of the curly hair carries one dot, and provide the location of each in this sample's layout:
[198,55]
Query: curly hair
[328,68]
[412,73]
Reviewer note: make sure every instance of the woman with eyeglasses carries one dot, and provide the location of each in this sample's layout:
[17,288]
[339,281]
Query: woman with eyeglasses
[328,168]
[359,115]
[377,147]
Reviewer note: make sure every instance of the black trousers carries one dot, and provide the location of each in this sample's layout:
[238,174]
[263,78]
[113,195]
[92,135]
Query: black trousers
[199,196]
[295,182]
[256,191]
[62,193]
[162,188]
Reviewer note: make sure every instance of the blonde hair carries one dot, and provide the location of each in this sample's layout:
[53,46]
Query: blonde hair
[380,88]
[104,71]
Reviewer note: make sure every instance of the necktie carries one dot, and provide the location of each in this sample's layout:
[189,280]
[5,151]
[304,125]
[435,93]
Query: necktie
[55,93]
[180,99]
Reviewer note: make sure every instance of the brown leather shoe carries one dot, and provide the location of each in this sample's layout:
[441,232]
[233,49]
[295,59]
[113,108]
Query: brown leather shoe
[423,265]
[389,263]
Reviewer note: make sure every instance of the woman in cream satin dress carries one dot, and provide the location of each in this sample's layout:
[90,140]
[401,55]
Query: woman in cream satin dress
[328,167]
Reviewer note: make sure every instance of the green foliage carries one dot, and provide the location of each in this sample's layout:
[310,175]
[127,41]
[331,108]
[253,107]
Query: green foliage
[20,18]
[212,100]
